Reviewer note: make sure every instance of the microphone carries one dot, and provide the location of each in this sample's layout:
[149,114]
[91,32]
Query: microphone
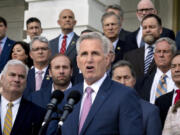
[56,98]
[72,99]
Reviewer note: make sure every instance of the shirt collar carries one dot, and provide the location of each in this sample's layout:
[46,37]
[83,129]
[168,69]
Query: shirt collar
[44,69]
[4,101]
[95,86]
[168,73]
[69,35]
[69,86]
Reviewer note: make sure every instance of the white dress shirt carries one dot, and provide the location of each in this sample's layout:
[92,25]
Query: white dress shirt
[43,74]
[139,37]
[4,109]
[69,86]
[115,43]
[3,41]
[95,86]
[157,77]
[68,40]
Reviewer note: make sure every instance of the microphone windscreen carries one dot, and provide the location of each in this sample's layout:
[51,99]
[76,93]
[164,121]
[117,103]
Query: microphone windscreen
[57,94]
[76,95]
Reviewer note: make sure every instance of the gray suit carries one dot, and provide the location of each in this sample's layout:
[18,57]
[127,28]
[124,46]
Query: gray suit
[70,52]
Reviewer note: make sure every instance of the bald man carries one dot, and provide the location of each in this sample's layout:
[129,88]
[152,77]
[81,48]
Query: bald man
[65,43]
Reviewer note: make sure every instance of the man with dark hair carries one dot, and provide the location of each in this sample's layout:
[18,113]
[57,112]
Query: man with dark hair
[117,9]
[6,44]
[144,8]
[33,26]
[142,58]
[123,72]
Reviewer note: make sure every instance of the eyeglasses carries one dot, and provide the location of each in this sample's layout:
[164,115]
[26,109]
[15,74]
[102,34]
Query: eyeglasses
[40,48]
[145,10]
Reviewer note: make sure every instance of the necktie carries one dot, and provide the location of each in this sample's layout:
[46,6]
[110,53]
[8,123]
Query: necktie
[177,96]
[142,43]
[162,86]
[39,79]
[8,120]
[86,107]
[63,46]
[148,59]
[0,47]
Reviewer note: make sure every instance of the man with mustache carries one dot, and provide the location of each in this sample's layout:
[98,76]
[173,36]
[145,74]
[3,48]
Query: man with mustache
[142,58]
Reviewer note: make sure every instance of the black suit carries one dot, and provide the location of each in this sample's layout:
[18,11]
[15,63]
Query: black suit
[28,119]
[136,58]
[123,34]
[164,102]
[132,42]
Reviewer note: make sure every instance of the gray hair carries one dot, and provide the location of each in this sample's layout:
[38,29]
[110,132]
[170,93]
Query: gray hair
[109,14]
[95,35]
[41,39]
[14,62]
[171,42]
[123,63]
[116,7]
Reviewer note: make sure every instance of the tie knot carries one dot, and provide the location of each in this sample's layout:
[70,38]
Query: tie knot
[40,72]
[89,90]
[178,91]
[65,36]
[10,104]
[150,47]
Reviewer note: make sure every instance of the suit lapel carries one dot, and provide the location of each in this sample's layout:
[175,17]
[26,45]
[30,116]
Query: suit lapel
[72,45]
[102,94]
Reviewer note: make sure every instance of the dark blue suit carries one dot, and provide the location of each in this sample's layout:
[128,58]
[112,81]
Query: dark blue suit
[115,111]
[151,118]
[28,119]
[31,83]
[5,54]
[178,40]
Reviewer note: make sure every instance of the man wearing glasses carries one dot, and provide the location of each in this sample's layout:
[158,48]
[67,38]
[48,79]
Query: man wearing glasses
[38,76]
[144,8]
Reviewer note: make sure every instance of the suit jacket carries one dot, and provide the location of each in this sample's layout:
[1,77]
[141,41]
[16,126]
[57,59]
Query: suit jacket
[28,119]
[123,34]
[70,52]
[164,102]
[5,55]
[31,82]
[111,112]
[143,86]
[132,42]
[151,118]
[136,58]
[178,40]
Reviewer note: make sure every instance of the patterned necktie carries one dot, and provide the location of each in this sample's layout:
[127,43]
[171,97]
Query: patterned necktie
[148,59]
[63,45]
[177,96]
[8,120]
[86,107]
[39,80]
[162,86]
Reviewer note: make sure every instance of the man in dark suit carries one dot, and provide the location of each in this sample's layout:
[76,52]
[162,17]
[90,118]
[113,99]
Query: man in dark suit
[67,22]
[111,26]
[18,116]
[123,73]
[38,76]
[178,40]
[145,7]
[6,44]
[165,101]
[142,58]
[104,108]
[165,48]
[117,9]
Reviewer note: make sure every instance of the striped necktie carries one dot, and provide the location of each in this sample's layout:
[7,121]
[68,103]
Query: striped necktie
[8,120]
[162,86]
[148,59]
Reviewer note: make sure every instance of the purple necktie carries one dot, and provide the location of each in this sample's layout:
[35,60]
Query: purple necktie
[39,79]
[86,107]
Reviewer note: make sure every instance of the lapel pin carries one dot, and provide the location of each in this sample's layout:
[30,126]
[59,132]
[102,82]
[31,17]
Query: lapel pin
[118,48]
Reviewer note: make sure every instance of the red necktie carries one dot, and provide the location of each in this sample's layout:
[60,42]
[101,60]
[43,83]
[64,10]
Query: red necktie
[177,96]
[63,45]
